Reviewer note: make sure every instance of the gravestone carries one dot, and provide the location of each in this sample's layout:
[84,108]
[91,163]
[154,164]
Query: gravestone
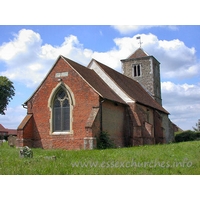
[12,141]
[26,152]
[1,142]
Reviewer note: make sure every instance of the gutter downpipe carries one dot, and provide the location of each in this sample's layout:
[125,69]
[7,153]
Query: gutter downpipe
[101,120]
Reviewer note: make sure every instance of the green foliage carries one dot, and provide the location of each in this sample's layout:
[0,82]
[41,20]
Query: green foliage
[196,128]
[184,136]
[104,141]
[6,93]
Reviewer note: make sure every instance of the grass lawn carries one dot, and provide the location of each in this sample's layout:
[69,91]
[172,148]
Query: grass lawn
[176,158]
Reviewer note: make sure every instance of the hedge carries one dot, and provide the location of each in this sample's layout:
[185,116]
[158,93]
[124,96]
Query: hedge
[187,136]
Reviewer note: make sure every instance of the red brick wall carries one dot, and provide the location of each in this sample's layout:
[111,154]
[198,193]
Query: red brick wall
[122,123]
[96,125]
[25,132]
[85,99]
[147,126]
[114,122]
[159,133]
[145,131]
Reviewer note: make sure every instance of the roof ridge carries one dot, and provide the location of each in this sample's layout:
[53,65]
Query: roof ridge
[131,55]
[74,62]
[2,128]
[43,80]
[88,81]
[118,72]
[68,60]
[157,105]
[113,79]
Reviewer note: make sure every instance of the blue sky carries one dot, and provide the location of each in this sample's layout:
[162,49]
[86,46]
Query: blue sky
[28,52]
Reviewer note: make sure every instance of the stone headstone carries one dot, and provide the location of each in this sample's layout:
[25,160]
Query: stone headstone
[1,142]
[12,141]
[21,154]
[26,152]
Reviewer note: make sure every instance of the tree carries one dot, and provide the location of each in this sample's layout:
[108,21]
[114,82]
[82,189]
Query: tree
[104,141]
[7,91]
[197,128]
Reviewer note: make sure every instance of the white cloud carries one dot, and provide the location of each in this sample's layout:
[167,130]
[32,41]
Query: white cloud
[70,44]
[13,117]
[177,60]
[182,101]
[127,29]
[180,95]
[22,43]
[28,60]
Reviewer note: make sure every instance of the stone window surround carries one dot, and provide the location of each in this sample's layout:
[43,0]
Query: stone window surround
[50,105]
[135,65]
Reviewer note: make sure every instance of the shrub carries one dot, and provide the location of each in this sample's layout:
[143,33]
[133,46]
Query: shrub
[104,141]
[187,136]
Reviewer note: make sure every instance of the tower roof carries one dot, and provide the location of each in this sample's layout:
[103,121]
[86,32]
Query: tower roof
[2,129]
[138,54]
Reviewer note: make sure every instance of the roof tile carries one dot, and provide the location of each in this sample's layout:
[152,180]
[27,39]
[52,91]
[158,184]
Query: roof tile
[138,54]
[95,81]
[2,129]
[25,120]
[132,88]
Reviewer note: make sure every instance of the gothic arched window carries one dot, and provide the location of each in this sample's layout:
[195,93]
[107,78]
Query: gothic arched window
[61,112]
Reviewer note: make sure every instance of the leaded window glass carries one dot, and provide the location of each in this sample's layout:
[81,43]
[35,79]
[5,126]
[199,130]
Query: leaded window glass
[61,112]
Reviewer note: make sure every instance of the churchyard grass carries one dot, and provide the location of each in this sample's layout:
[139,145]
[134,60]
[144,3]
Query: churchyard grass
[175,158]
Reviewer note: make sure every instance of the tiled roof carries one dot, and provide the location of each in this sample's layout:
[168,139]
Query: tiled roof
[8,131]
[128,85]
[90,77]
[2,129]
[12,131]
[138,54]
[132,88]
[95,81]
[25,120]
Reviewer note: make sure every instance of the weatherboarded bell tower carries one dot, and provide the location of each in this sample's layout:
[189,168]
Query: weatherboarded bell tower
[146,70]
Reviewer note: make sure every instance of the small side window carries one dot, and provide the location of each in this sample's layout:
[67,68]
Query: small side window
[136,70]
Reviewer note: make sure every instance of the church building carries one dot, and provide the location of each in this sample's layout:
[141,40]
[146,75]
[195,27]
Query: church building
[74,104]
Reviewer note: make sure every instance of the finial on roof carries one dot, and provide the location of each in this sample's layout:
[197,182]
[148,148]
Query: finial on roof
[139,38]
